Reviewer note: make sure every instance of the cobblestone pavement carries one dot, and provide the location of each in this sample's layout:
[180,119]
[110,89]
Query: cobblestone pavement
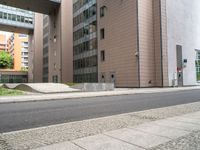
[4,145]
[189,142]
[176,133]
[39,137]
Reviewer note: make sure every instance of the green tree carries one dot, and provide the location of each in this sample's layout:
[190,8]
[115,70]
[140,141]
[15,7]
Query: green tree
[6,60]
[24,69]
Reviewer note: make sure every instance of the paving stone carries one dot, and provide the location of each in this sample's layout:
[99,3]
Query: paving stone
[102,142]
[135,137]
[161,131]
[195,121]
[4,145]
[178,125]
[193,116]
[167,112]
[188,142]
[61,146]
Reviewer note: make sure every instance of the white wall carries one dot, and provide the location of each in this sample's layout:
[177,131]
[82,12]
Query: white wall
[183,29]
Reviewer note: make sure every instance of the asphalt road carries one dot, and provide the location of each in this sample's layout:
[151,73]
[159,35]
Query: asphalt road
[18,116]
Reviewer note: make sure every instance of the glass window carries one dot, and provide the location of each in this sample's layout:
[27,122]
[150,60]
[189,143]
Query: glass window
[1,15]
[55,79]
[102,11]
[5,15]
[22,19]
[9,17]
[198,66]
[103,55]
[30,21]
[13,17]
[18,18]
[102,34]
[26,20]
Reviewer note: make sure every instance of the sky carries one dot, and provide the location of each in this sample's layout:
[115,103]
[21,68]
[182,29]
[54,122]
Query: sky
[6,33]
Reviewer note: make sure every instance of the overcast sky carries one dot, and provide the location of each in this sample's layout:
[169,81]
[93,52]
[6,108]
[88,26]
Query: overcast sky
[6,33]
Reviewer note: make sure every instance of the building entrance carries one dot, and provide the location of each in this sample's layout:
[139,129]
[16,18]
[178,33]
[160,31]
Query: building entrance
[179,65]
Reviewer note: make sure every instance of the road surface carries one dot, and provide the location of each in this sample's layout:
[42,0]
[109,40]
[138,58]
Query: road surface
[26,115]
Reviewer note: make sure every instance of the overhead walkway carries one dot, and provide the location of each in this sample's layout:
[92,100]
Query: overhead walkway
[18,16]
[40,6]
[16,20]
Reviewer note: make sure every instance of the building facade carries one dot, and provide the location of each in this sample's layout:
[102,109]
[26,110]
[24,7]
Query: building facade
[183,41]
[52,60]
[18,48]
[18,18]
[132,43]
[3,43]
[45,48]
[85,54]
[132,52]
[12,76]
[36,51]
[139,43]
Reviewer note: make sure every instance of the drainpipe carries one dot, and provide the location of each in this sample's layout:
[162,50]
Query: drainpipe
[161,44]
[138,44]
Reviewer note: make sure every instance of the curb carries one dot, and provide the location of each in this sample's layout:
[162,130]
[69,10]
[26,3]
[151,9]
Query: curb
[51,97]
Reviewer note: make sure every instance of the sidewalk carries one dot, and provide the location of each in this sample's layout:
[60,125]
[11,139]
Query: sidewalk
[153,135]
[117,92]
[73,131]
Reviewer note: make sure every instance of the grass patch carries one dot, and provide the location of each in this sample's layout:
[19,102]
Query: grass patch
[198,76]
[9,92]
[71,84]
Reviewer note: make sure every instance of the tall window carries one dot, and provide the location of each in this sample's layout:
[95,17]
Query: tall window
[102,11]
[103,55]
[102,33]
[198,65]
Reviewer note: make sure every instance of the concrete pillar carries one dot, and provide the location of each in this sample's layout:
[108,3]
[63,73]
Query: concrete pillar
[67,40]
[160,43]
[60,46]
[55,46]
[61,43]
[36,51]
[30,59]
